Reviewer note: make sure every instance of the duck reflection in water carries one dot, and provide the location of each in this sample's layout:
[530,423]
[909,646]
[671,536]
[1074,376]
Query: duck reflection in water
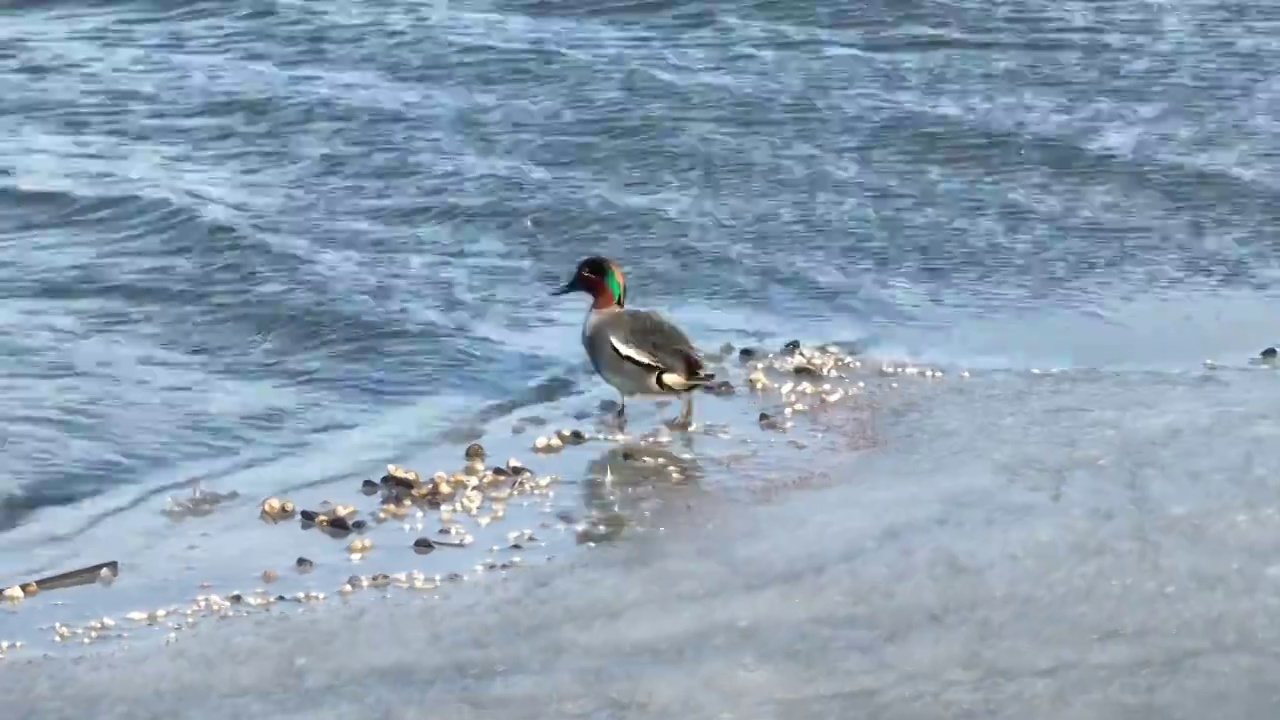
[630,484]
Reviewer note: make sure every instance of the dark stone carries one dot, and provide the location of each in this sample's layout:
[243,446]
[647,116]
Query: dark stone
[806,371]
[304,564]
[720,387]
[423,545]
[370,487]
[576,437]
[791,348]
[359,525]
[746,354]
[235,598]
[1269,354]
[395,481]
[499,471]
[475,451]
[340,524]
[309,516]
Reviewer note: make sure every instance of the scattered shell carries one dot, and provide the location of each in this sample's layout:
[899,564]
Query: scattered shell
[269,576]
[271,507]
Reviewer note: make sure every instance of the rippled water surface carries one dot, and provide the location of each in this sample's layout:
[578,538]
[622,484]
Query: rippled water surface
[245,241]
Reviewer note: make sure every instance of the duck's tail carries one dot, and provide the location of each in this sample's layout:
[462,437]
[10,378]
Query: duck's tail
[676,382]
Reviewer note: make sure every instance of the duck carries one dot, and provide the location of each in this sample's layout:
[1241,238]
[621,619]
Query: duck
[637,352]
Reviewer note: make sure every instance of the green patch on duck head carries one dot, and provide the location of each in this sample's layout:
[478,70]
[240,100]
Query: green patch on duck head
[617,285]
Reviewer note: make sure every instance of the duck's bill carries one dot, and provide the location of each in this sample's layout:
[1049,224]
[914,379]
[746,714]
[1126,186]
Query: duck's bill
[571,286]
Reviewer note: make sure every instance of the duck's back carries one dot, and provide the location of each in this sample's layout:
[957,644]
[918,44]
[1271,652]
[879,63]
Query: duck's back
[647,332]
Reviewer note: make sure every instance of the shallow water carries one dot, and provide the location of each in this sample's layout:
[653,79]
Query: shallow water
[275,246]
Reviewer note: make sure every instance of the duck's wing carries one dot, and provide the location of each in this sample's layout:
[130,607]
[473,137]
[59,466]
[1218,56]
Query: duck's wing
[647,339]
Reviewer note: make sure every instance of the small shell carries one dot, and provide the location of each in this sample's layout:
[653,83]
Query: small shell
[13,593]
[271,506]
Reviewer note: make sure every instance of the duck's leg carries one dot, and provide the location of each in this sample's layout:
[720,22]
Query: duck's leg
[620,416]
[685,421]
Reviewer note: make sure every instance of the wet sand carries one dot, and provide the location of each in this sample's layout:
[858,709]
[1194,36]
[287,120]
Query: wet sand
[1083,544]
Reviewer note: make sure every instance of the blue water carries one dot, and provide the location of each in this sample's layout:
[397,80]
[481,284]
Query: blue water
[242,236]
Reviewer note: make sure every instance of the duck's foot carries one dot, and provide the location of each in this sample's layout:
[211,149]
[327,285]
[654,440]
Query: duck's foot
[679,424]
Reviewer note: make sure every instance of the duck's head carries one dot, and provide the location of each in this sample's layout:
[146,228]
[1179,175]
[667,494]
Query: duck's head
[601,278]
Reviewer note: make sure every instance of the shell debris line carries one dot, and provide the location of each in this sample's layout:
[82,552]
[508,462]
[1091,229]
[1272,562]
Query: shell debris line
[798,380]
[438,513]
